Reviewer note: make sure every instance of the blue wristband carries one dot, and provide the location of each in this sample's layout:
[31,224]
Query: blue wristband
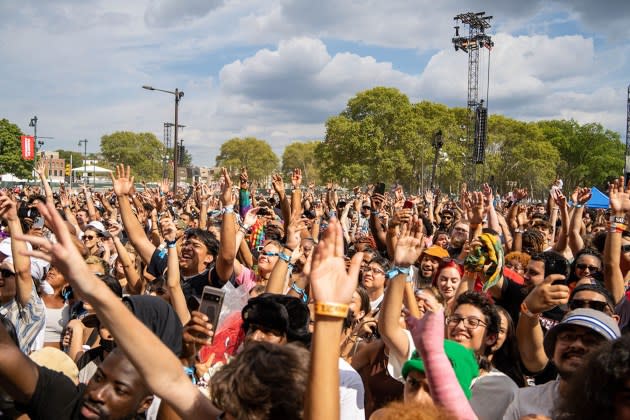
[396,271]
[300,291]
[284,257]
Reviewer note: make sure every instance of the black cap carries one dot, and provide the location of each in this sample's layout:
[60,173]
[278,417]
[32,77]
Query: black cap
[282,313]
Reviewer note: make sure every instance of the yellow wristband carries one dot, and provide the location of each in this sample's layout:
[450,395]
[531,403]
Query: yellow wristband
[337,310]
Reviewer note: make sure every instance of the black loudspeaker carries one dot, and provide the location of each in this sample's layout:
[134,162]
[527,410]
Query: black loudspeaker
[481,134]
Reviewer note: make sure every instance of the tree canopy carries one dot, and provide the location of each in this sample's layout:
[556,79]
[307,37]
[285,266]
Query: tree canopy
[142,151]
[252,153]
[302,155]
[11,151]
[382,136]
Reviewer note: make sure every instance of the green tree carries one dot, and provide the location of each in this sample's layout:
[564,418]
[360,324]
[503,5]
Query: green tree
[77,157]
[11,151]
[254,154]
[370,140]
[142,151]
[302,155]
[589,154]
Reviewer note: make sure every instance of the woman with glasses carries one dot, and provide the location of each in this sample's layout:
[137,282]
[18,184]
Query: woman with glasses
[475,323]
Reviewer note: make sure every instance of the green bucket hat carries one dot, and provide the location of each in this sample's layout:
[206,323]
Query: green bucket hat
[462,359]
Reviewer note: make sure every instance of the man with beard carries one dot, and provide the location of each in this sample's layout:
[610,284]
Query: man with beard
[459,236]
[428,264]
[116,391]
[566,345]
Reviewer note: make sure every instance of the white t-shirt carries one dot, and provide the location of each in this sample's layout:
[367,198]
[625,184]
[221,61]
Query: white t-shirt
[492,393]
[538,399]
[394,365]
[376,302]
[351,393]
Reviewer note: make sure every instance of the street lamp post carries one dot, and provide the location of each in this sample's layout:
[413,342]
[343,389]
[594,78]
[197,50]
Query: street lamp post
[84,142]
[33,124]
[178,96]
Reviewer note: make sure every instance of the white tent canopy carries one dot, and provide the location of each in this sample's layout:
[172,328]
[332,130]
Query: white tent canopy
[91,169]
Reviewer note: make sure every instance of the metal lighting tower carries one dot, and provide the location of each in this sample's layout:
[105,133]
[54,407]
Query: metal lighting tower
[471,44]
[627,167]
[84,143]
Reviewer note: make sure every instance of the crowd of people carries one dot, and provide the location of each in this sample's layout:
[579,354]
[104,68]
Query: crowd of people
[366,304]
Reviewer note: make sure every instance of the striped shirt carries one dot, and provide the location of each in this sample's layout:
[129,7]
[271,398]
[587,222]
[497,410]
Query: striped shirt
[29,320]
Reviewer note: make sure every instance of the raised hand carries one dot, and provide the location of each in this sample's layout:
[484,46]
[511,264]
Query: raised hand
[409,245]
[477,207]
[558,198]
[42,168]
[8,208]
[584,194]
[328,277]
[244,178]
[296,178]
[619,197]
[547,295]
[227,197]
[278,184]
[123,181]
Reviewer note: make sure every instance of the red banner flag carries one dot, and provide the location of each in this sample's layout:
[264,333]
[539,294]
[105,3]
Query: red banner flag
[28,147]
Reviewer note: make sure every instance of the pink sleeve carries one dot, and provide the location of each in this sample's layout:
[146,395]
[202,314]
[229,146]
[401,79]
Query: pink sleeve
[246,279]
[445,388]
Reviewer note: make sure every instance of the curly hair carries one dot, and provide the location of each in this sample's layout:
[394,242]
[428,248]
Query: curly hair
[521,257]
[533,241]
[591,393]
[489,310]
[264,381]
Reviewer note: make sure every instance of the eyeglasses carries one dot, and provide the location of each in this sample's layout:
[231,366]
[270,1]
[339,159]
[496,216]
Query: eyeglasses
[591,268]
[470,322]
[6,272]
[373,270]
[89,238]
[585,303]
[269,254]
[567,337]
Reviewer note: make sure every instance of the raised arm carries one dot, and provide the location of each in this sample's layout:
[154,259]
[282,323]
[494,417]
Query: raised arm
[332,290]
[42,172]
[620,206]
[134,282]
[178,300]
[408,249]
[141,346]
[21,262]
[226,260]
[576,243]
[123,184]
[529,332]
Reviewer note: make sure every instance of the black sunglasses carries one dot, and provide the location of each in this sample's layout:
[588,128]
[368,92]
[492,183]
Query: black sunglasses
[591,268]
[6,272]
[584,303]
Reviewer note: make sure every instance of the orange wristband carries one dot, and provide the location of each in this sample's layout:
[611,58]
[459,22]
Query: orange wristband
[337,310]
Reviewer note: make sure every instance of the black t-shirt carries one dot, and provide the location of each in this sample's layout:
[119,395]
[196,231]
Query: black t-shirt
[191,286]
[55,396]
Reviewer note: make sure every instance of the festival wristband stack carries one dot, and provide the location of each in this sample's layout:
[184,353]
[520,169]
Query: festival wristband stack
[335,310]
[617,224]
[171,244]
[228,209]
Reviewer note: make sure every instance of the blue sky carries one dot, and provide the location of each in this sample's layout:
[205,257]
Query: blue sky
[277,69]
